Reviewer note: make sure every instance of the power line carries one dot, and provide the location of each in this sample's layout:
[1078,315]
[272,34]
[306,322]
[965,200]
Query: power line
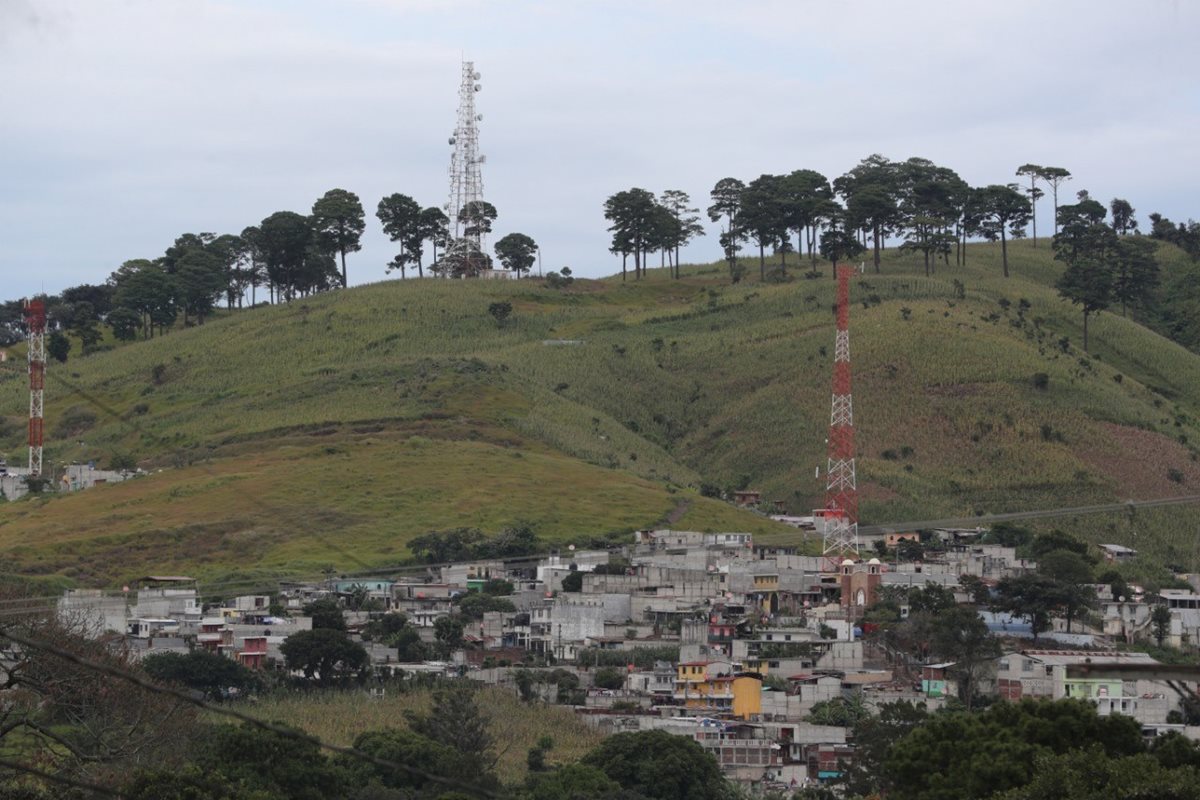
[303,736]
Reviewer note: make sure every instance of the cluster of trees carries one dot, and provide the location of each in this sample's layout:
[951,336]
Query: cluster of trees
[287,254]
[933,209]
[466,544]
[936,627]
[1031,749]
[643,224]
[1104,264]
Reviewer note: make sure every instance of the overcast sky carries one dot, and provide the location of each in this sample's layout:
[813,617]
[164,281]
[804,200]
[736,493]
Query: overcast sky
[126,123]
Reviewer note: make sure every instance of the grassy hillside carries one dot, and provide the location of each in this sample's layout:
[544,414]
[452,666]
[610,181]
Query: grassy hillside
[332,430]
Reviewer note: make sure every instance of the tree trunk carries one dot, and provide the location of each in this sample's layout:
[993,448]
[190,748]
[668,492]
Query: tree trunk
[875,229]
[1003,250]
[762,262]
[676,262]
[1086,313]
[344,284]
[624,258]
[1033,210]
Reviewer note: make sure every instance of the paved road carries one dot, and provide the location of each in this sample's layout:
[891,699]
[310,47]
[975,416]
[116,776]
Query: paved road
[960,522]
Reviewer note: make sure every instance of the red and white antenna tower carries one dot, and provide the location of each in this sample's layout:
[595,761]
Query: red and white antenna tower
[35,321]
[841,487]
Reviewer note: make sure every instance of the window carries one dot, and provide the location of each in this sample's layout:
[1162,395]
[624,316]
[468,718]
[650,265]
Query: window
[1026,665]
[1003,666]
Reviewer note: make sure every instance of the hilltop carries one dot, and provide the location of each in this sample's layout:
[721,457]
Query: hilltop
[332,430]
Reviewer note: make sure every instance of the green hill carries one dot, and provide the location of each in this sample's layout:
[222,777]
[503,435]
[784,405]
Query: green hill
[333,430]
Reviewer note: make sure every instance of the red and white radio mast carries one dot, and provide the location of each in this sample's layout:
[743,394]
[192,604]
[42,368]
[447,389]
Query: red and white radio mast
[35,321]
[841,488]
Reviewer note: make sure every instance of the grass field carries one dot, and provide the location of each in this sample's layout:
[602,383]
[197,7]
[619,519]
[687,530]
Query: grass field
[331,431]
[338,717]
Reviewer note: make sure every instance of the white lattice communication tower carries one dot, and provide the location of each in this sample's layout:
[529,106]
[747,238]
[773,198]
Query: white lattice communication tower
[466,177]
[35,322]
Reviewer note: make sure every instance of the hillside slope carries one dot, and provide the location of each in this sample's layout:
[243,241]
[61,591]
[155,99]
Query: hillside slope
[333,430]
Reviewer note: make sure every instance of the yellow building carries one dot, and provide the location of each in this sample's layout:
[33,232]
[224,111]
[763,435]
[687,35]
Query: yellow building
[711,686]
[747,696]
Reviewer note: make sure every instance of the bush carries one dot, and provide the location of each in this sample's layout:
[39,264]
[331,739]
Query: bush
[609,678]
[200,670]
[1041,381]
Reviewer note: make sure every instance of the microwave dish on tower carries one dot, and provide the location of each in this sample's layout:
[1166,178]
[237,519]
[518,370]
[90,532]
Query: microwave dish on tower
[465,255]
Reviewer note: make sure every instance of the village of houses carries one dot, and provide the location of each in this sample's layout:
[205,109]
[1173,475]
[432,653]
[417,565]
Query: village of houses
[763,635]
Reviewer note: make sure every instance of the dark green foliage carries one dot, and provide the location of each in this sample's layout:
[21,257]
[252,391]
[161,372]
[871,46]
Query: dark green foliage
[572,581]
[873,739]
[401,218]
[465,544]
[325,656]
[497,587]
[326,613]
[1086,774]
[517,252]
[500,312]
[455,720]
[190,783]
[448,630]
[571,782]
[285,240]
[660,766]
[409,645]
[201,670]
[1089,249]
[268,765]
[1160,622]
[58,347]
[634,218]
[840,711]
[412,749]
[609,678]
[383,626]
[1057,540]
[960,636]
[931,598]
[839,244]
[125,323]
[199,279]
[1009,535]
[1000,211]
[474,605]
[338,220]
[961,756]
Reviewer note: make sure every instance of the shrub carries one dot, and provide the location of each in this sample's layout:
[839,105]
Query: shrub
[609,678]
[1041,381]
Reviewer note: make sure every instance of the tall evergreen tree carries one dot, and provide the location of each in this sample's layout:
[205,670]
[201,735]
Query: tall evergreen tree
[338,218]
